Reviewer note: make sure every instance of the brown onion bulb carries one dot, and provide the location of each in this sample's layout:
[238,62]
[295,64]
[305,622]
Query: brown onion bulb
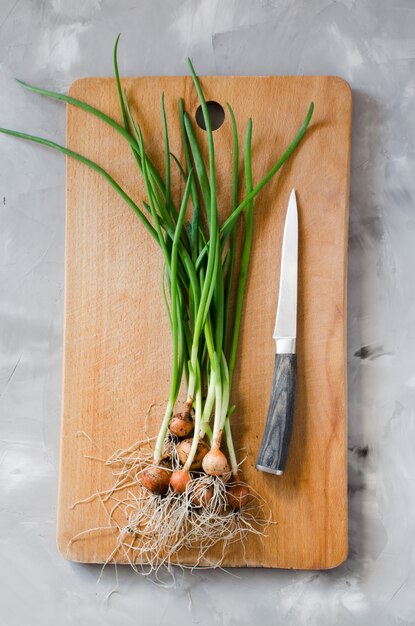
[202,495]
[181,425]
[215,463]
[179,480]
[156,480]
[237,495]
[183,451]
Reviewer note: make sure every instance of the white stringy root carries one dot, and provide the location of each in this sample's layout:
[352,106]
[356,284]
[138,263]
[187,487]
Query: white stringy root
[150,530]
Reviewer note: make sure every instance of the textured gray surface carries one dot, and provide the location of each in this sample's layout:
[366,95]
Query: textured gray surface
[371,44]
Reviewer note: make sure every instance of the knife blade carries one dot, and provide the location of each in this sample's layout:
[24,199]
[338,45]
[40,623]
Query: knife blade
[273,452]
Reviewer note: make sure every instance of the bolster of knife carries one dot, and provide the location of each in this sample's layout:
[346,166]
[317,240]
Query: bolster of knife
[273,453]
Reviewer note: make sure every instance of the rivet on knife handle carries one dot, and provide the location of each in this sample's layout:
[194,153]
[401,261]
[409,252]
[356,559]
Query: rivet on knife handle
[272,456]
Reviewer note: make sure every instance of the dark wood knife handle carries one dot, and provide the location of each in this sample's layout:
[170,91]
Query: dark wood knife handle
[272,456]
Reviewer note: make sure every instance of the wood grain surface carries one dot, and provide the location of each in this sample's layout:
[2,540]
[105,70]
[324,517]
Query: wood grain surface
[117,344]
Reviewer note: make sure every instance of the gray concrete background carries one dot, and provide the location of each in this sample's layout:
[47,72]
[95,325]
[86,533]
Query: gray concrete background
[370,43]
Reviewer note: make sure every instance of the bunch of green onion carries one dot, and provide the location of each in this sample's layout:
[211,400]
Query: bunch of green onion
[201,279]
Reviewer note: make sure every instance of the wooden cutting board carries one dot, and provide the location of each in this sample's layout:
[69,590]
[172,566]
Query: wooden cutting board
[117,342]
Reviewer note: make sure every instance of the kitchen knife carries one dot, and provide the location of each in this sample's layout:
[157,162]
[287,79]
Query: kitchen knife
[272,456]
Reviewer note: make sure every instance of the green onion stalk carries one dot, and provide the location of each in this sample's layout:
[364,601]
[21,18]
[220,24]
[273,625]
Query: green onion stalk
[200,278]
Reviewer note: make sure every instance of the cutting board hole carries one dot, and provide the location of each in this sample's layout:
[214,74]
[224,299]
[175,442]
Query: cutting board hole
[216,115]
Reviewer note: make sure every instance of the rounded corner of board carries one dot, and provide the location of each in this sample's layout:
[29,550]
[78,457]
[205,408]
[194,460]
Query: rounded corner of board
[338,559]
[77,86]
[343,86]
[62,547]
[65,549]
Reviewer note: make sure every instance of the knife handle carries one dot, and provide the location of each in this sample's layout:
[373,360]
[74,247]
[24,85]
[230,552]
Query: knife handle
[273,452]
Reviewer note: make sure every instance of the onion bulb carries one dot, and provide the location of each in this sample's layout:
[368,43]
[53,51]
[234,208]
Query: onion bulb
[181,425]
[202,495]
[215,462]
[183,451]
[237,495]
[179,480]
[156,480]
